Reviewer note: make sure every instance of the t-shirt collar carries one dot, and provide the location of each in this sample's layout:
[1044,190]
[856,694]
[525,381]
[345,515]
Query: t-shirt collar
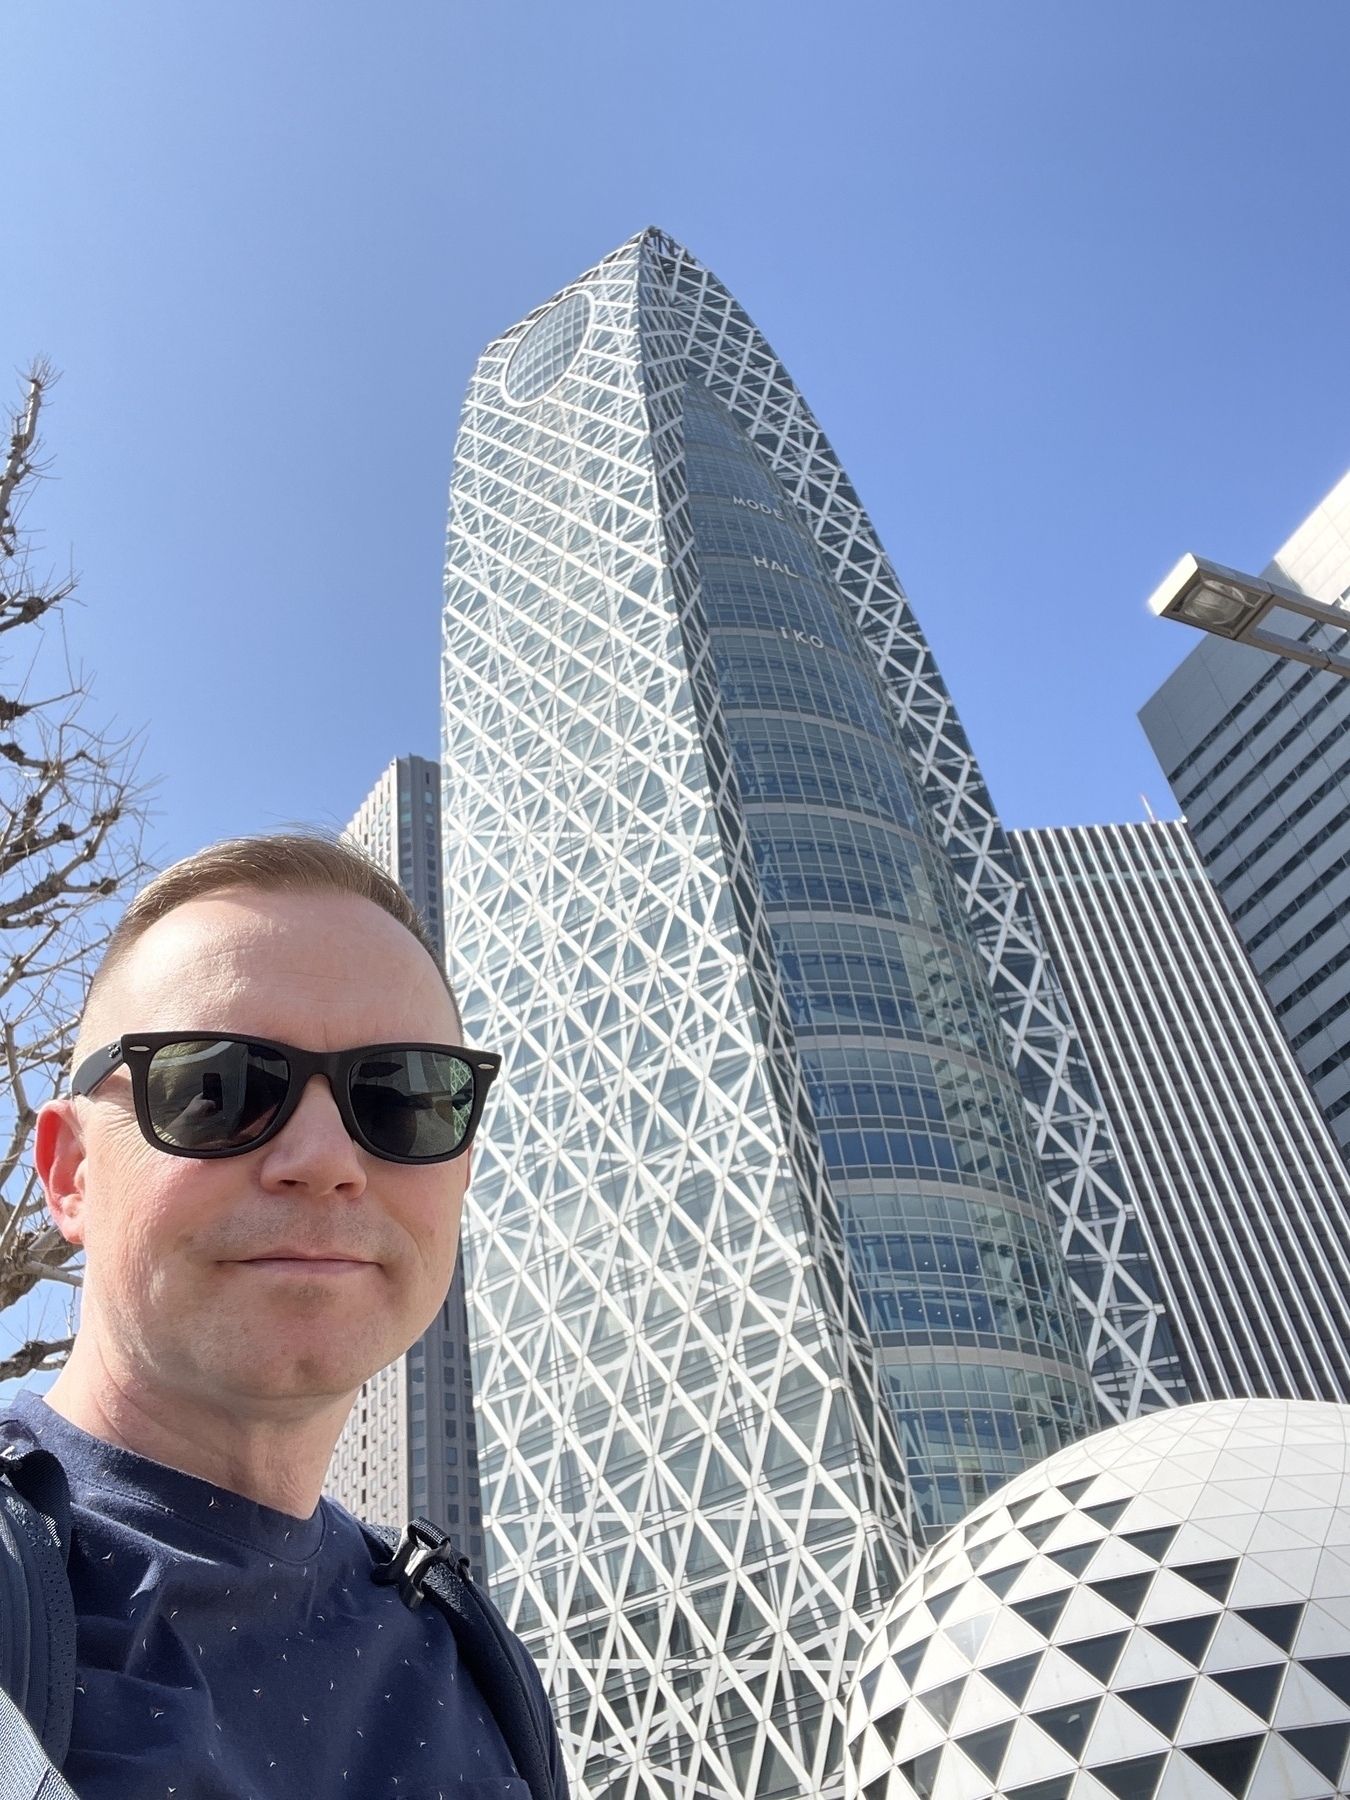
[165,1502]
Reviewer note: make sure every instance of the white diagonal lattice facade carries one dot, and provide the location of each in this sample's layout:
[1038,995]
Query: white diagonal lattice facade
[695,1496]
[1126,1336]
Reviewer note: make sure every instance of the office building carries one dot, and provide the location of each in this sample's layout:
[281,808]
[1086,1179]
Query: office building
[1237,1176]
[1257,751]
[409,1447]
[757,1112]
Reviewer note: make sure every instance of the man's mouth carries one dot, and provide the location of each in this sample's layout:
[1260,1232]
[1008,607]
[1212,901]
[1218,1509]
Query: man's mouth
[307,1262]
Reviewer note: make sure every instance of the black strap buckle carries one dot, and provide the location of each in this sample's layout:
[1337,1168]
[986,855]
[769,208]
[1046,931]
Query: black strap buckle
[421,1546]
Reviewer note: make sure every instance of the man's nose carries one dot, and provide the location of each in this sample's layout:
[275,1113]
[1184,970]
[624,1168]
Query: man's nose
[314,1150]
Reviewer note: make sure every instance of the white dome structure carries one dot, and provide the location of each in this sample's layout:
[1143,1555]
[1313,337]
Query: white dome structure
[1159,1613]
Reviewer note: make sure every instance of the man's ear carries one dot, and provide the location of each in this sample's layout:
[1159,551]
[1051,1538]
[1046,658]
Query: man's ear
[58,1156]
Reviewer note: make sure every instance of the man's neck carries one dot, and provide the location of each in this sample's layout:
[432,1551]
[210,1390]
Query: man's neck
[276,1452]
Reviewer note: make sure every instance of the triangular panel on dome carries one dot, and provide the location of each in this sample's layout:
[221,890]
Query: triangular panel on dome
[1136,1778]
[1126,1593]
[942,1701]
[1323,1630]
[1000,1580]
[1229,1761]
[1032,1756]
[1235,1645]
[1306,1701]
[1068,1725]
[1120,1732]
[887,1727]
[1277,1623]
[1075,1559]
[908,1660]
[1212,1578]
[1154,1542]
[1059,1681]
[1088,1614]
[1332,1671]
[1059,1787]
[1282,1774]
[1013,1678]
[1162,1703]
[1106,1513]
[1188,1637]
[986,1748]
[1043,1613]
[983,1704]
[1214,1713]
[1324,1746]
[1097,1655]
[1256,1687]
[969,1634]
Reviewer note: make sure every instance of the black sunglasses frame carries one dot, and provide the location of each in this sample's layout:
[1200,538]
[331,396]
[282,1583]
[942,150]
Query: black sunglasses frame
[137,1050]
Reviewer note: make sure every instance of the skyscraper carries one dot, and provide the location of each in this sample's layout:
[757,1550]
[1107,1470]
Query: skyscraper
[1257,752]
[700,905]
[409,1447]
[1243,1185]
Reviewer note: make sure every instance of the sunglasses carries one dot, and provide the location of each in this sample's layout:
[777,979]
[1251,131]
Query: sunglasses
[210,1096]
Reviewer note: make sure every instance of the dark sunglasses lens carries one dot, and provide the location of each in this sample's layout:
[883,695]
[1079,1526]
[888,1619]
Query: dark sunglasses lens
[214,1093]
[413,1103]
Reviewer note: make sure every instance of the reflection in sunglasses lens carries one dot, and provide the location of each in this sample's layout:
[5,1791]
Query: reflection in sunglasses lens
[214,1093]
[413,1103]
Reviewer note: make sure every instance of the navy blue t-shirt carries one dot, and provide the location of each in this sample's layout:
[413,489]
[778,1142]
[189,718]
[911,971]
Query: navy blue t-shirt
[229,1652]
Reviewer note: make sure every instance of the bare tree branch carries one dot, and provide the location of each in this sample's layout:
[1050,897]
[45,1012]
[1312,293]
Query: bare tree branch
[38,1356]
[19,464]
[71,817]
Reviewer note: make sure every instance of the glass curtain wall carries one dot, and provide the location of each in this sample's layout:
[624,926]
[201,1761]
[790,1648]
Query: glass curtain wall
[919,1122]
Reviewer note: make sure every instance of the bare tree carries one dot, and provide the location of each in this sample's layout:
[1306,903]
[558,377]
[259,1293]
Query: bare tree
[71,821]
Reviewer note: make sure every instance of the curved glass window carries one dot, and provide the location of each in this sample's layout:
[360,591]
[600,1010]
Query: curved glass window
[767,540]
[765,674]
[844,977]
[822,765]
[842,865]
[969,1427]
[983,1282]
[548,348]
[711,469]
[707,421]
[870,1104]
[741,594]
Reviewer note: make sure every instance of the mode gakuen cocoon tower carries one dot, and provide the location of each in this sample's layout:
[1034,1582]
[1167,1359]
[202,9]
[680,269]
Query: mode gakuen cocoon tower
[759,1158]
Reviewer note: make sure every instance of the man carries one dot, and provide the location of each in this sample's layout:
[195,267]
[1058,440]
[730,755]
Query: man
[264,1158]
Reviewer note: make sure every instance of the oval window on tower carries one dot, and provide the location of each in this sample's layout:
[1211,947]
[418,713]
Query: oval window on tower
[546,351]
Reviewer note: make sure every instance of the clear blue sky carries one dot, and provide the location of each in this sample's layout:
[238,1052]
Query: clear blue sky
[1065,282]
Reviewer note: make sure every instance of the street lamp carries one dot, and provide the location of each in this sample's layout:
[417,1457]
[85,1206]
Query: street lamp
[1233,605]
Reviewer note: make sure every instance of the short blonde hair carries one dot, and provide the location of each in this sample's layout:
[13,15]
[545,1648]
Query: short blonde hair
[284,862]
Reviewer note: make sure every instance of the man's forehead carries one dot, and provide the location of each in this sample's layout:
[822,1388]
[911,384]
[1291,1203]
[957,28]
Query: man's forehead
[268,962]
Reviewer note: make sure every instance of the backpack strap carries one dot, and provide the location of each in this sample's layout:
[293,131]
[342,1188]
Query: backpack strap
[424,1565]
[37,1619]
[26,1771]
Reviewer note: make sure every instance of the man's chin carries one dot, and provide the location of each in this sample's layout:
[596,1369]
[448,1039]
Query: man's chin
[306,1382]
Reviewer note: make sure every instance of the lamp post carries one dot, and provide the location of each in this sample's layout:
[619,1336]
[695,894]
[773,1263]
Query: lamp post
[1233,605]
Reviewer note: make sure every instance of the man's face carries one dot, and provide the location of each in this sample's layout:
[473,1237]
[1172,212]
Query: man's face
[297,1270]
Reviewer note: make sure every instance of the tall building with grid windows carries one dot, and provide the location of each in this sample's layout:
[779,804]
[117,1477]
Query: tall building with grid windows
[1257,752]
[1242,1183]
[409,1447]
[758,1157]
